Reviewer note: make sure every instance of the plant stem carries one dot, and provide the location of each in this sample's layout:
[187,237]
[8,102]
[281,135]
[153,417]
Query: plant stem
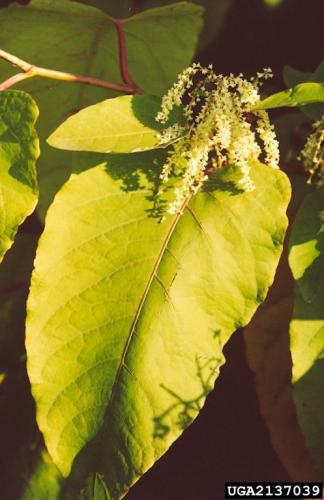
[30,70]
[19,77]
[123,54]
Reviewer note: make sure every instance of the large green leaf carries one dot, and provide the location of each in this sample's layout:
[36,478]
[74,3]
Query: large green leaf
[122,8]
[300,95]
[307,325]
[160,44]
[18,153]
[268,355]
[213,17]
[293,77]
[124,309]
[125,124]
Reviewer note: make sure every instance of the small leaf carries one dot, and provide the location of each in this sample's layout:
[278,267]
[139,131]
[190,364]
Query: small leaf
[95,489]
[302,94]
[293,77]
[18,153]
[45,480]
[30,472]
[123,309]
[307,324]
[125,124]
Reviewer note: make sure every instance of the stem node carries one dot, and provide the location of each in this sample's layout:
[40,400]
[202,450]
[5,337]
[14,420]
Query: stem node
[29,71]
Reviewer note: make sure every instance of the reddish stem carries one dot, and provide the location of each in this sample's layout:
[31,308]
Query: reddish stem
[123,55]
[29,71]
[19,77]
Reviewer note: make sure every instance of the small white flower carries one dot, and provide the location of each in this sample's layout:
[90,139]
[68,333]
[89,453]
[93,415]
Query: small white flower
[312,155]
[218,130]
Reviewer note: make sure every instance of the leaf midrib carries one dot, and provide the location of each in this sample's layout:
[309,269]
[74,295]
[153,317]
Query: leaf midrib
[149,131]
[143,300]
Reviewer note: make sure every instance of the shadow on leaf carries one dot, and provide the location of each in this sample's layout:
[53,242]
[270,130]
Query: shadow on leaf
[136,171]
[183,411]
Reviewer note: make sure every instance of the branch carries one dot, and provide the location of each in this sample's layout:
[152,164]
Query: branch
[30,70]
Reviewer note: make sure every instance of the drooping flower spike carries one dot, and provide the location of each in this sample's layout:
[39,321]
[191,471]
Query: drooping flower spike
[312,155]
[218,130]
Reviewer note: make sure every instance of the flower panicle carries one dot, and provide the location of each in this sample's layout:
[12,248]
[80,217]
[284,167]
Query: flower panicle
[312,155]
[217,131]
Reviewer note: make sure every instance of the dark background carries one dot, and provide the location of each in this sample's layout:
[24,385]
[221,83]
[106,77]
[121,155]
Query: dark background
[229,440]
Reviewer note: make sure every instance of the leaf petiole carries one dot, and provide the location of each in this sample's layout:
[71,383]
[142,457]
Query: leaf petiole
[30,71]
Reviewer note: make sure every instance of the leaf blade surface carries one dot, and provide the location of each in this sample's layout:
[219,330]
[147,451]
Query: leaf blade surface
[300,95]
[307,324]
[293,77]
[125,124]
[152,307]
[18,153]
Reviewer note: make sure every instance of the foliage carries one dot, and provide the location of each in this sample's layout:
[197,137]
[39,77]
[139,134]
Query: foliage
[148,319]
[138,284]
[37,31]
[125,124]
[294,77]
[18,154]
[307,326]
[302,94]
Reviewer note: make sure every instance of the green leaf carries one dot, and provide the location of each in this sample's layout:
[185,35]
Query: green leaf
[30,473]
[123,8]
[306,345]
[95,489]
[302,94]
[307,325]
[293,77]
[125,124]
[306,257]
[123,309]
[160,44]
[18,153]
[45,481]
[214,13]
[214,16]
[268,355]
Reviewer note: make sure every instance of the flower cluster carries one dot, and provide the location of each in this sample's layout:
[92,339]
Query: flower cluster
[312,155]
[220,128]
